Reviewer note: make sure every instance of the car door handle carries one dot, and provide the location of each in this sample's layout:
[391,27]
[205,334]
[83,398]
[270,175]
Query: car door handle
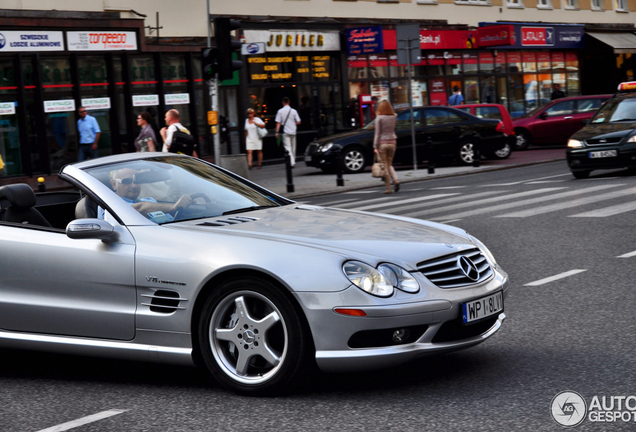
[567,118]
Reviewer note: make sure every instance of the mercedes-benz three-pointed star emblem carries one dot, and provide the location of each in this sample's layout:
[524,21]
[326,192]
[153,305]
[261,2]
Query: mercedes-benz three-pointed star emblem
[468,268]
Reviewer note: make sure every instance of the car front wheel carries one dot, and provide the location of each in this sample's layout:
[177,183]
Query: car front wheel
[353,160]
[252,339]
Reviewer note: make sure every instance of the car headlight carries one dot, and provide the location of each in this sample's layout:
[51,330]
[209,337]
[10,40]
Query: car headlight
[575,143]
[323,148]
[367,278]
[632,138]
[399,278]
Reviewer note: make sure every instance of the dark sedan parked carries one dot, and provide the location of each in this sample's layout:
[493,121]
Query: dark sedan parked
[452,134]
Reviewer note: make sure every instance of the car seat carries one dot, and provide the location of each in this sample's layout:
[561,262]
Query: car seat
[21,201]
[86,208]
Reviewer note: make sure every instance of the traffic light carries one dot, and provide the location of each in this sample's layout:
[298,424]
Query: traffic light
[209,63]
[226,45]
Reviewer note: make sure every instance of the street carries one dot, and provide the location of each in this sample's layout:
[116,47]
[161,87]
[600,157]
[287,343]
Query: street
[568,249]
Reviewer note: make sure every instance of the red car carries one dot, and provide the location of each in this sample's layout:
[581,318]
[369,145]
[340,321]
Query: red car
[556,121]
[498,112]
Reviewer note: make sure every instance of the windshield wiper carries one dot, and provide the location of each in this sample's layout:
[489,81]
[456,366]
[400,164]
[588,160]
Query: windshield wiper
[245,209]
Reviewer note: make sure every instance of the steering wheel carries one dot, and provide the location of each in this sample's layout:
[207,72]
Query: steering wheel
[195,196]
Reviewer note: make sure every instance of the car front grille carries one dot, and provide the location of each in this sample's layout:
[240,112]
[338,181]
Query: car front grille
[603,141]
[454,270]
[311,148]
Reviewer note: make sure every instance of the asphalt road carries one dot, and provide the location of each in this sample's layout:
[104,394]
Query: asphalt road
[570,326]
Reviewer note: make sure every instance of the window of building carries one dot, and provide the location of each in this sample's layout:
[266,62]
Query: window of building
[473,2]
[597,5]
[571,4]
[621,5]
[544,4]
[515,3]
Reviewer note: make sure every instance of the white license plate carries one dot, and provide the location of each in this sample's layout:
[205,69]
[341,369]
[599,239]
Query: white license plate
[603,154]
[307,158]
[482,308]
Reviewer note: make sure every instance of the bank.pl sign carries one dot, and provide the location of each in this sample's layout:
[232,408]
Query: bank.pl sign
[59,106]
[145,100]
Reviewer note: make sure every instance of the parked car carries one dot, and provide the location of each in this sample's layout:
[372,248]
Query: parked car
[453,134]
[556,121]
[609,140]
[497,112]
[164,257]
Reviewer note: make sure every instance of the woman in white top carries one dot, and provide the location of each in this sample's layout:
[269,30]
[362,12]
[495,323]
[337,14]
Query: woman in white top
[253,142]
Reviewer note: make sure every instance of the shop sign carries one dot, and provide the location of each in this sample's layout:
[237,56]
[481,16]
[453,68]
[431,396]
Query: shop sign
[365,40]
[145,100]
[31,41]
[177,98]
[7,108]
[96,103]
[64,105]
[495,35]
[294,40]
[436,39]
[533,36]
[101,40]
[253,48]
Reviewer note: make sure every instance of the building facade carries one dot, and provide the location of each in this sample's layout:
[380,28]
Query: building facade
[118,63]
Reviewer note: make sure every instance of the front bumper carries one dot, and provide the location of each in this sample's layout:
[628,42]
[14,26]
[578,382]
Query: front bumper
[434,322]
[580,160]
[319,159]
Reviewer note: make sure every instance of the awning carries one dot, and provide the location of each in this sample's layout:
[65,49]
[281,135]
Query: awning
[623,43]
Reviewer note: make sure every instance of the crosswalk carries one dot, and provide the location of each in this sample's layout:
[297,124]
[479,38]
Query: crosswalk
[545,196]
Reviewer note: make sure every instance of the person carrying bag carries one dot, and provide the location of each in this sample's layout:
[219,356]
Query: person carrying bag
[255,131]
[384,143]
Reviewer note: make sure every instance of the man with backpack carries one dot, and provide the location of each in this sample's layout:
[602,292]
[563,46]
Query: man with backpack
[176,138]
[456,98]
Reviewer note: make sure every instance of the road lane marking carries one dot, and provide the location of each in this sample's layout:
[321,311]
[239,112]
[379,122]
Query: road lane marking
[525,181]
[463,198]
[568,204]
[546,181]
[468,202]
[358,202]
[555,277]
[521,203]
[449,187]
[332,203]
[627,255]
[609,211]
[83,421]
[404,201]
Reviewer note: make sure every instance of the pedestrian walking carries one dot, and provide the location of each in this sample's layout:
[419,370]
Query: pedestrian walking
[456,98]
[146,141]
[89,133]
[167,133]
[289,128]
[557,93]
[384,143]
[254,133]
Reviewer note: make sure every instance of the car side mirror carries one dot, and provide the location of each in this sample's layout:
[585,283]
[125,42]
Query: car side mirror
[543,115]
[80,229]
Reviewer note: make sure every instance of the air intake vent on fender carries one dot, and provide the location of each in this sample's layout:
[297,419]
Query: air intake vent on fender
[164,301]
[229,221]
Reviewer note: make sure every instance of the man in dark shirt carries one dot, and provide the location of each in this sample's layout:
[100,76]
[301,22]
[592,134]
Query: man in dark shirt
[557,93]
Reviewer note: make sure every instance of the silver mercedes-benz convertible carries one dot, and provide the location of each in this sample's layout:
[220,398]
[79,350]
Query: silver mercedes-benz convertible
[167,258]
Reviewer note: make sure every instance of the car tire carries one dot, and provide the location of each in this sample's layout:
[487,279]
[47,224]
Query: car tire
[524,139]
[466,152]
[353,160]
[503,153]
[252,338]
[581,174]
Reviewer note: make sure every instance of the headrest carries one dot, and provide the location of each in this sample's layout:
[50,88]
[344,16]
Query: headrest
[18,195]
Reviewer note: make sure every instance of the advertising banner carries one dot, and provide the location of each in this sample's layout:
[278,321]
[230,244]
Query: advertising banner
[365,40]
[65,105]
[532,36]
[436,39]
[294,40]
[145,100]
[177,98]
[31,40]
[101,40]
[7,108]
[96,103]
[495,35]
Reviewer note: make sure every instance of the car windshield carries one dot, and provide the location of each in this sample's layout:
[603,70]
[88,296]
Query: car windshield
[616,110]
[156,187]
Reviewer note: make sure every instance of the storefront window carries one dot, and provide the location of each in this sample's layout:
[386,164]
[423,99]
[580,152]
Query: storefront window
[558,70]
[487,90]
[322,68]
[471,62]
[55,73]
[173,70]
[515,94]
[303,68]
[399,94]
[544,76]
[378,66]
[142,72]
[92,70]
[280,68]
[486,62]
[402,70]
[572,68]
[514,62]
[379,90]
[7,77]
[471,90]
[9,139]
[500,62]
[529,61]
[256,68]
[435,64]
[420,93]
[357,67]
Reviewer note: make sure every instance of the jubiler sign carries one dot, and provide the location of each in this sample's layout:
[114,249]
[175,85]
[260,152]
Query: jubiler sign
[294,40]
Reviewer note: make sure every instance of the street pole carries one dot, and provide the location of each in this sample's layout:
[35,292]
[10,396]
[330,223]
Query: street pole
[408,71]
[214,98]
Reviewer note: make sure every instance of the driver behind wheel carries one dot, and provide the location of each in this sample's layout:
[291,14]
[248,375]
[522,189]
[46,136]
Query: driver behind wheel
[124,185]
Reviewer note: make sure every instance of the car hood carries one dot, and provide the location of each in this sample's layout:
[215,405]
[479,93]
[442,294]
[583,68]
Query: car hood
[344,231]
[342,136]
[605,130]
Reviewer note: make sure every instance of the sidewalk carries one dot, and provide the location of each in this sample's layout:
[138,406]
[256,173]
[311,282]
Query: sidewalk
[312,181]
